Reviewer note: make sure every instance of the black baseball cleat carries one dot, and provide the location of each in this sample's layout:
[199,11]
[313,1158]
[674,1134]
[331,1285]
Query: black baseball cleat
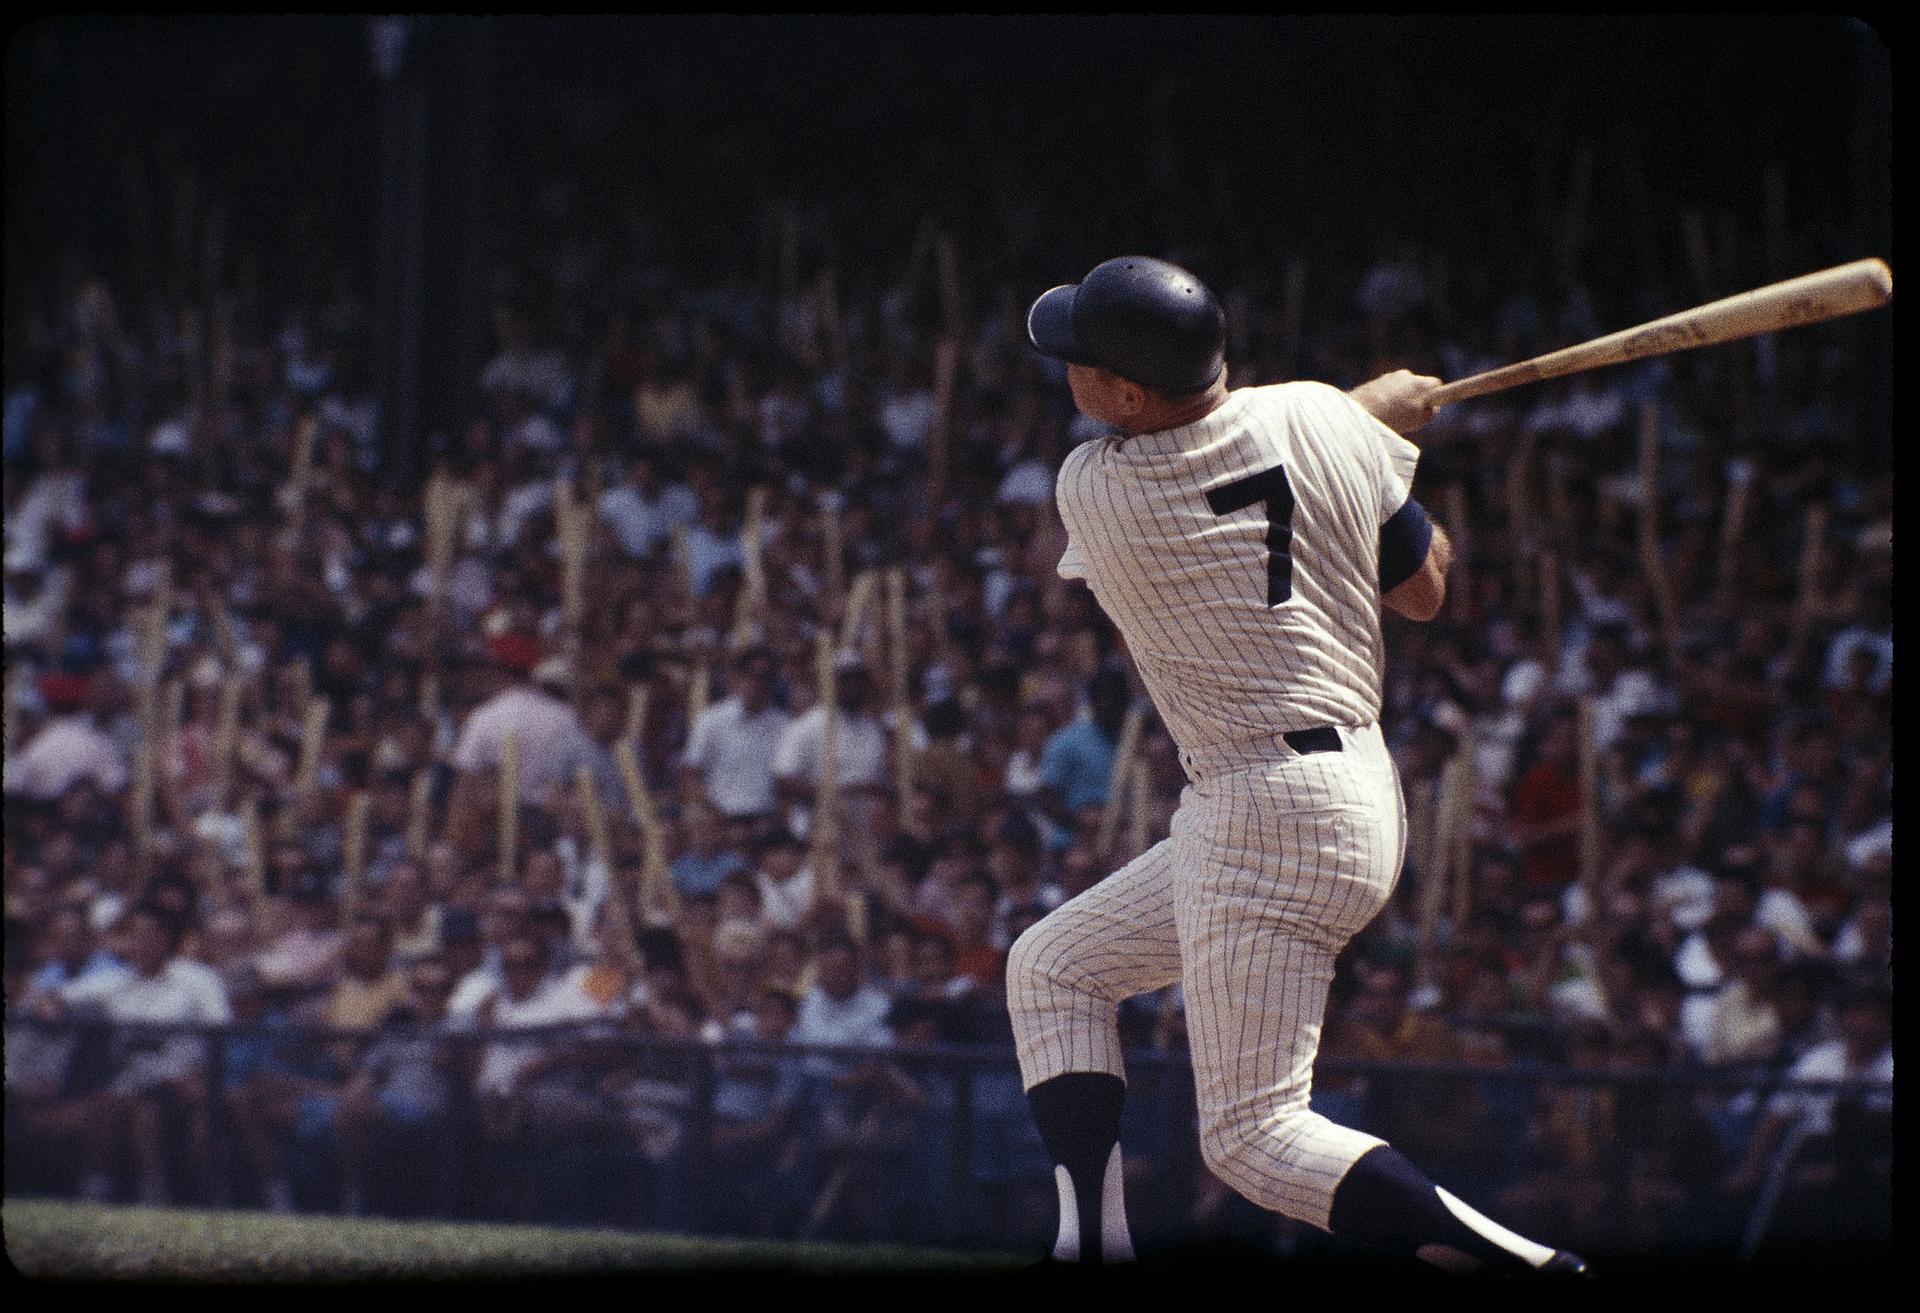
[1565,1264]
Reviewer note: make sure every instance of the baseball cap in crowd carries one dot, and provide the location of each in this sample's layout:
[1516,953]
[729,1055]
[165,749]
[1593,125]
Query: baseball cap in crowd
[516,651]
[63,691]
[1138,317]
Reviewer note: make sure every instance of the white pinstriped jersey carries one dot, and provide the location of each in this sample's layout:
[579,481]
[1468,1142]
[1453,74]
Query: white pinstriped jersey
[1239,557]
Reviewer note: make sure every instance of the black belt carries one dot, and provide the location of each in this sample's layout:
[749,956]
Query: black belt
[1304,741]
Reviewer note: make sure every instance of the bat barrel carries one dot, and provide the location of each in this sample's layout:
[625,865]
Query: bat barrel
[1810,299]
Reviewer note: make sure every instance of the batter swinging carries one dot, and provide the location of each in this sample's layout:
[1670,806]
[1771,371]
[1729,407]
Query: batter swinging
[1243,542]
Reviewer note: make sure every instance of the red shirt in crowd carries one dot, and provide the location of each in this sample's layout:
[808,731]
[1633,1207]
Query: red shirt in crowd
[1543,796]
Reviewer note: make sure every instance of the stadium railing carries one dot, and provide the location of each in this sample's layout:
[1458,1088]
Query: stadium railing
[934,1145]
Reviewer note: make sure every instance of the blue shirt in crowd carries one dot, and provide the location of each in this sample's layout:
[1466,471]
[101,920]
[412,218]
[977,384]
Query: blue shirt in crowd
[694,874]
[1078,761]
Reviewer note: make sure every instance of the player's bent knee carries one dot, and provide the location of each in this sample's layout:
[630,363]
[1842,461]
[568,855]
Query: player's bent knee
[1026,977]
[1043,975]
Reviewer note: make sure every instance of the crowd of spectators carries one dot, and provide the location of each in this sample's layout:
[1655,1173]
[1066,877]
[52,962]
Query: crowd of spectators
[1719,899]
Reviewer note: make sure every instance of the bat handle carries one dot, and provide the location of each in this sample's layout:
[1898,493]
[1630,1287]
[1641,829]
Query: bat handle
[1479,385]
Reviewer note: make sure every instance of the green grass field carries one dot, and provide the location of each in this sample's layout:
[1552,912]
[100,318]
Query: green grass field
[84,1242]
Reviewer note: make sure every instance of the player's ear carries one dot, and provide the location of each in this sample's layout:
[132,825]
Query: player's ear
[1132,398]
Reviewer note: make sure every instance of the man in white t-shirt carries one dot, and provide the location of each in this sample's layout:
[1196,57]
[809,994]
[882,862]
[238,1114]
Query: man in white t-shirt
[785,881]
[1863,1053]
[68,748]
[151,1071]
[712,542]
[1620,687]
[528,706]
[527,998]
[730,752]
[644,511]
[859,744]
[841,1009]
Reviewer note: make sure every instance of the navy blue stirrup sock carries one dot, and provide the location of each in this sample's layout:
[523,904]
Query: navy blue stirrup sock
[1079,1119]
[1387,1201]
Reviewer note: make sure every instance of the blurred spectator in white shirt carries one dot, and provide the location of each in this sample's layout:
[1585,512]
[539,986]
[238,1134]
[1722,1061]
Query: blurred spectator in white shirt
[526,998]
[551,737]
[160,987]
[840,1009]
[68,748]
[859,742]
[712,542]
[785,880]
[730,753]
[644,511]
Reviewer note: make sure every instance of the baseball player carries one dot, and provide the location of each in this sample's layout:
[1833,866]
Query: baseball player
[1243,541]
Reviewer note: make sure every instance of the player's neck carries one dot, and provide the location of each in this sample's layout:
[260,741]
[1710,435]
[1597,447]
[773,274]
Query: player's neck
[1159,417]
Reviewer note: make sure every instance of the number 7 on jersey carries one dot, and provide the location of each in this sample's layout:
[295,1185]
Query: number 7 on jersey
[1271,487]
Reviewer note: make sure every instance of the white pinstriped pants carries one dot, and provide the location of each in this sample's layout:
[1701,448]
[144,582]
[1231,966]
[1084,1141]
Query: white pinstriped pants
[1268,872]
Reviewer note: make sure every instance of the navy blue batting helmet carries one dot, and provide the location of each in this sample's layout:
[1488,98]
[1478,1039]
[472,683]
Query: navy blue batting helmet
[1139,317]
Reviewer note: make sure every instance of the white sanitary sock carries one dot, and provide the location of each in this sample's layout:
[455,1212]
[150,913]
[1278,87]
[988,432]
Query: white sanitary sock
[1116,1243]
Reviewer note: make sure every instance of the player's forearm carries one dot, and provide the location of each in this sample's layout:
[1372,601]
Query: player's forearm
[1421,596]
[1440,555]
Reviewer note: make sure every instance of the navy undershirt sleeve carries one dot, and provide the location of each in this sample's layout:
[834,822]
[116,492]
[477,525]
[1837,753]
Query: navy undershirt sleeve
[1404,540]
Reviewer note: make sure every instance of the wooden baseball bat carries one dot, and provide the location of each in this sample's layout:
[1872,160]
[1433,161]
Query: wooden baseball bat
[1589,784]
[256,844]
[354,855]
[509,812]
[826,809]
[419,805]
[573,553]
[658,900]
[1117,781]
[1137,797]
[600,845]
[699,692]
[1845,289]
[750,604]
[859,602]
[636,714]
[895,585]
